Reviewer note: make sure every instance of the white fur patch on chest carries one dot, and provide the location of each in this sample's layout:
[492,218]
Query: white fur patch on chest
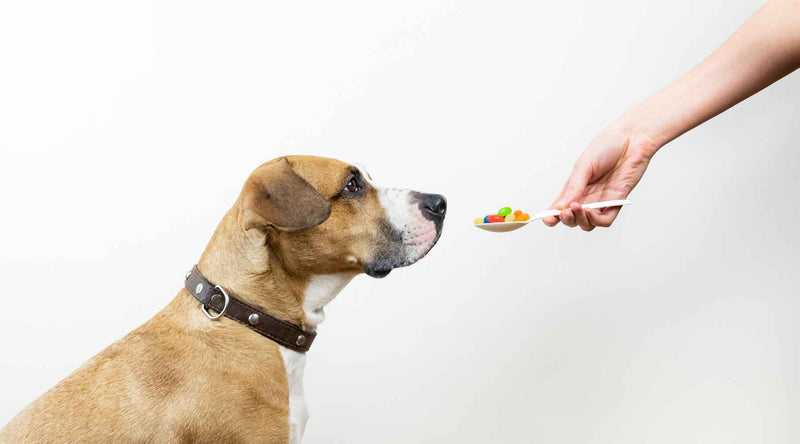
[320,291]
[295,364]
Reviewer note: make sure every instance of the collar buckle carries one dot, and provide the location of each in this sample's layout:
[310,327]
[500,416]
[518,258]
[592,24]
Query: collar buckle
[224,307]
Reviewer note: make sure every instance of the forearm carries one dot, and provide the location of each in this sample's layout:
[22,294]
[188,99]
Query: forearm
[764,49]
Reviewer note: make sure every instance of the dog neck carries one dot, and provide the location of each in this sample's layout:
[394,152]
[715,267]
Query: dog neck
[261,280]
[321,289]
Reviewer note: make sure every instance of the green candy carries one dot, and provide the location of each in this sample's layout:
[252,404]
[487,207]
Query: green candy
[505,211]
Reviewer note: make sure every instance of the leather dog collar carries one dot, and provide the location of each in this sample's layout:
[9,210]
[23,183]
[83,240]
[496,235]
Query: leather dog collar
[216,298]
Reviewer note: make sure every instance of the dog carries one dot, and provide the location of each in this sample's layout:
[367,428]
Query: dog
[201,370]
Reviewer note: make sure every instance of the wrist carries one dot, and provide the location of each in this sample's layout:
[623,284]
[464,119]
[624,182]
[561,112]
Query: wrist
[646,130]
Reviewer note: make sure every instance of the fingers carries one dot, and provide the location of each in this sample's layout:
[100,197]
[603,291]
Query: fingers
[580,216]
[567,217]
[603,218]
[573,191]
[576,184]
[572,216]
[588,220]
[550,221]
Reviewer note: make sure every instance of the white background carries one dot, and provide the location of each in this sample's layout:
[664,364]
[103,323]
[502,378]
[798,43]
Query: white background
[127,130]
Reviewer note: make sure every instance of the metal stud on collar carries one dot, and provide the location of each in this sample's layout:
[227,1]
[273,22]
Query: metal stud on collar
[224,307]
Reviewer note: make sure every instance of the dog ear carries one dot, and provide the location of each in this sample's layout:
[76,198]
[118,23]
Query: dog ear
[275,196]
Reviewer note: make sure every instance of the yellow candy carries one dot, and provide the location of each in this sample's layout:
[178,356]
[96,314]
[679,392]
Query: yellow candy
[510,218]
[478,220]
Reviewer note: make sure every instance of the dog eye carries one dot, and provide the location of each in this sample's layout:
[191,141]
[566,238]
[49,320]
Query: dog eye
[352,186]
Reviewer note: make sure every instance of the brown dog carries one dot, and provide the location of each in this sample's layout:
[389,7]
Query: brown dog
[301,228]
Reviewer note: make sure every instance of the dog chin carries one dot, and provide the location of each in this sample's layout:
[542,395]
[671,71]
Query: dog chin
[377,272]
[381,266]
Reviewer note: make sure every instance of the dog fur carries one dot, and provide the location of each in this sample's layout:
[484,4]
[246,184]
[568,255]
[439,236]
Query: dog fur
[296,235]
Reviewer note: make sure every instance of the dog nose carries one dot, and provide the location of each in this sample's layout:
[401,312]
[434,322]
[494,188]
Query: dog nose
[435,204]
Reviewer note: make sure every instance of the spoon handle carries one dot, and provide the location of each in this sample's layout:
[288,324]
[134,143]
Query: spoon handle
[593,205]
[607,203]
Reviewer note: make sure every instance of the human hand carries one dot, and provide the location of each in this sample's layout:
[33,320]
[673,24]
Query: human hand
[608,169]
[761,51]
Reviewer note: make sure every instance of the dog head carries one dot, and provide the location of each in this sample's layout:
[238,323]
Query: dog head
[319,215]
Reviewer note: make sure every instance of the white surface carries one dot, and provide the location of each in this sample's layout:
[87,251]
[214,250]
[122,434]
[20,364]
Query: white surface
[127,130]
[505,227]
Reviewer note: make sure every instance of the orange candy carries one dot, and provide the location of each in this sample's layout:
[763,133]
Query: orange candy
[522,217]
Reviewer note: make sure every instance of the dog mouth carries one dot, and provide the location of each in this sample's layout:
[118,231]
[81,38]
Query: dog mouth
[407,239]
[405,255]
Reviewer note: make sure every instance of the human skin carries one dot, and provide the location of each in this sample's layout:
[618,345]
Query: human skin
[761,51]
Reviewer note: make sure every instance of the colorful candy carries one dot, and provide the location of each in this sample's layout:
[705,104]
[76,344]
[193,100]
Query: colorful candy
[505,214]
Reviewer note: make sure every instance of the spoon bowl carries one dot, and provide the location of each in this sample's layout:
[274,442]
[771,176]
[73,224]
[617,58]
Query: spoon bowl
[503,227]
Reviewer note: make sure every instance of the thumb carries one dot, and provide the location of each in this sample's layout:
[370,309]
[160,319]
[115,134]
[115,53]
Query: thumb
[576,185]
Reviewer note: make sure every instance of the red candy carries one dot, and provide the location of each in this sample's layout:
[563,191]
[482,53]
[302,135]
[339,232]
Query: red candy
[495,218]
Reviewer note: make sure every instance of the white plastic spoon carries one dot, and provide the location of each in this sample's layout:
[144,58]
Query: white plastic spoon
[502,227]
